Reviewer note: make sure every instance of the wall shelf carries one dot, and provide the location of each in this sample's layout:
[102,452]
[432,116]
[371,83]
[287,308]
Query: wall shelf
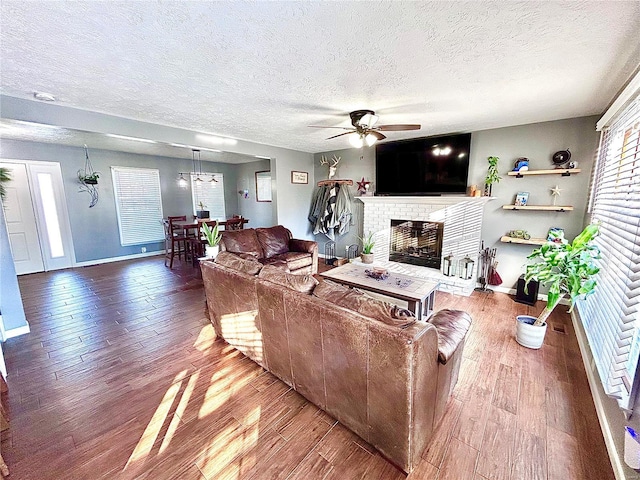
[531,241]
[565,172]
[548,208]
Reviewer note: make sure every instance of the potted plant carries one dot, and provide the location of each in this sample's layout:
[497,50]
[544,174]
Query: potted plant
[213,237]
[569,269]
[492,175]
[89,179]
[5,177]
[367,248]
[202,213]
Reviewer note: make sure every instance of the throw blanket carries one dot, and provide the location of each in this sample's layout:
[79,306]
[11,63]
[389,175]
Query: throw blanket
[330,211]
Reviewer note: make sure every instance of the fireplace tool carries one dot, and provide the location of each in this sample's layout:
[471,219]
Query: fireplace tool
[485,260]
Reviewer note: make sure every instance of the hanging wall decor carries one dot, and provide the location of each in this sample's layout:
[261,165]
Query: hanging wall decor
[88,179]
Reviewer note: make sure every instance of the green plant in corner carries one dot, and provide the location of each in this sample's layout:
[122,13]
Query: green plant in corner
[5,177]
[367,243]
[492,175]
[567,267]
[212,235]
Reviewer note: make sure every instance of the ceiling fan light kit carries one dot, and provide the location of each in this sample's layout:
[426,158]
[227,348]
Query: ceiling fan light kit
[364,130]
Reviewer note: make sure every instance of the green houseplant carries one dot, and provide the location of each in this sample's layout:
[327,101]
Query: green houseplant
[492,175]
[5,177]
[568,268]
[213,237]
[202,212]
[367,248]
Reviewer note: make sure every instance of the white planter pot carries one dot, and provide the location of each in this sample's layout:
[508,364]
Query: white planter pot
[526,334]
[211,252]
[367,257]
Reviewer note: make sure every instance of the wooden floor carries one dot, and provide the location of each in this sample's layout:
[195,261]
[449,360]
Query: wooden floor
[120,378]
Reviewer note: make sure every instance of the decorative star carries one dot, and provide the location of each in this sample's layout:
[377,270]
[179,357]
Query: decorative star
[555,192]
[363,186]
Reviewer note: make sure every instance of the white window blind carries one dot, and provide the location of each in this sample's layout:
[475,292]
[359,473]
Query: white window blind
[211,194]
[138,205]
[610,316]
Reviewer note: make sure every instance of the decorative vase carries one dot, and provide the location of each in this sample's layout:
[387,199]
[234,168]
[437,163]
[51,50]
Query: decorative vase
[367,257]
[527,334]
[211,252]
[487,190]
[202,214]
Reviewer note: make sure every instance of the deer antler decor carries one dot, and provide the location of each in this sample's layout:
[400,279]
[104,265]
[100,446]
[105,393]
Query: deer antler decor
[333,166]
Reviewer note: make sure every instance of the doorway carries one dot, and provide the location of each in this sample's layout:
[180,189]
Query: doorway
[37,217]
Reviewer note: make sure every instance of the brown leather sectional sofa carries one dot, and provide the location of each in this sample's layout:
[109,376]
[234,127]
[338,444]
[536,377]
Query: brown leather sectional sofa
[273,246]
[389,384]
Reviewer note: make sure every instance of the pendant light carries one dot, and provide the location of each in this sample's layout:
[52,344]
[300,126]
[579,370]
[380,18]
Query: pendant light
[182,182]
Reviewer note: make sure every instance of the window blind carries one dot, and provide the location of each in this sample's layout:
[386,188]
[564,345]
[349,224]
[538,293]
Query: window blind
[211,194]
[138,205]
[610,316]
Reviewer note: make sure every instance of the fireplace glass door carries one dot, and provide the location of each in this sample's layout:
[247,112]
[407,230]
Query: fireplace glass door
[416,242]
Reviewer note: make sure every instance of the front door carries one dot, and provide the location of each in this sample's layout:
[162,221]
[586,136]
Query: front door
[37,218]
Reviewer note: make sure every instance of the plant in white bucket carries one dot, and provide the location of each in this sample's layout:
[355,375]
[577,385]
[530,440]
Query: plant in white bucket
[569,269]
[213,237]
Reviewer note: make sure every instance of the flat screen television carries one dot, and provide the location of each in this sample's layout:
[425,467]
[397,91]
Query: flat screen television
[423,166]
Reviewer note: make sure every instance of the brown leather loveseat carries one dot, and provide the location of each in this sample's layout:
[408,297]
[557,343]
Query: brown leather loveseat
[273,246]
[388,382]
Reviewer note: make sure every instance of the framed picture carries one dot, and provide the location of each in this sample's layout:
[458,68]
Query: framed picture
[522,198]
[263,186]
[299,177]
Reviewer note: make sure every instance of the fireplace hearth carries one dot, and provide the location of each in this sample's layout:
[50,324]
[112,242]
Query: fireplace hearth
[416,242]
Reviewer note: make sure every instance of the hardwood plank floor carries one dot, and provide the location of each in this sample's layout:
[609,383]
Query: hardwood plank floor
[120,378]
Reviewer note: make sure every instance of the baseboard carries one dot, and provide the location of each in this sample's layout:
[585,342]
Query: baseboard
[100,261]
[597,395]
[16,332]
[512,291]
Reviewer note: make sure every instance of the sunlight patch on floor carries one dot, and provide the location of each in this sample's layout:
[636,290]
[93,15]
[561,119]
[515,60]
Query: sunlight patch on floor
[182,406]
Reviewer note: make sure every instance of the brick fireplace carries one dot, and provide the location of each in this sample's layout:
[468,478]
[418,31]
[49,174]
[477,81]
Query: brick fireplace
[460,216]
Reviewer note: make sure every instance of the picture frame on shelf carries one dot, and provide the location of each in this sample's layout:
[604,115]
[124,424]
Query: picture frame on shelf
[522,198]
[299,177]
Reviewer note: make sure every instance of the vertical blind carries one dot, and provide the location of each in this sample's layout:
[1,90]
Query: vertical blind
[138,205]
[211,194]
[610,316]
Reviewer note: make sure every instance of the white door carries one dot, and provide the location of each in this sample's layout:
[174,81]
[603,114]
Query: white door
[37,218]
[21,221]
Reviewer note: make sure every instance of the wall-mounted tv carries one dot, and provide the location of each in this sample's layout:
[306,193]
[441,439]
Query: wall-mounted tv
[423,166]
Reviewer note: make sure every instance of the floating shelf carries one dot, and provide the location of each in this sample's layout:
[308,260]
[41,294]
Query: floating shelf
[531,241]
[548,208]
[565,172]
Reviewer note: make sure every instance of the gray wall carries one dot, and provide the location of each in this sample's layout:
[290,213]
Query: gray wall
[95,230]
[260,214]
[289,202]
[538,142]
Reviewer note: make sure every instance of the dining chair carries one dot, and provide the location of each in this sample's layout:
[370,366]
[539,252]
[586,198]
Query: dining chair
[175,241]
[235,223]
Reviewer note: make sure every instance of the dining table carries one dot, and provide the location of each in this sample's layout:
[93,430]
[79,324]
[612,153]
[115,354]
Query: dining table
[188,225]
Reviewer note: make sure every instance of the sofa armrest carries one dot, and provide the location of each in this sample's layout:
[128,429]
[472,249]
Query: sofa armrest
[306,246]
[452,326]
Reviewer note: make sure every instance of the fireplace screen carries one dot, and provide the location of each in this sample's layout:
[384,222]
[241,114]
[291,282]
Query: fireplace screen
[416,242]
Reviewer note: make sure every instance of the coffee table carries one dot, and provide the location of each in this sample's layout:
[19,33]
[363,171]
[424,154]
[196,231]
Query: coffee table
[418,292]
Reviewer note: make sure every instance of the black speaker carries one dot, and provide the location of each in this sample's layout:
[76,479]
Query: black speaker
[531,295]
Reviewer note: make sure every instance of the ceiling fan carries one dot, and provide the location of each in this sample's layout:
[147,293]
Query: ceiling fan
[365,131]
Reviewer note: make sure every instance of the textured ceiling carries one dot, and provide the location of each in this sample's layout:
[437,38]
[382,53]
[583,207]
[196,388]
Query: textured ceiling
[264,71]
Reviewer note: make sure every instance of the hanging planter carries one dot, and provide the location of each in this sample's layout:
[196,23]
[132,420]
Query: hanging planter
[88,179]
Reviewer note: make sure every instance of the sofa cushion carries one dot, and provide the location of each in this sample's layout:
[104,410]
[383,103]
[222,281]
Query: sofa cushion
[242,241]
[235,262]
[273,240]
[452,326]
[294,260]
[276,262]
[299,283]
[362,303]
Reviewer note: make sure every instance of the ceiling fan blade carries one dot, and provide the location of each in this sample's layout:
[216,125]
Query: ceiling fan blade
[341,134]
[378,135]
[397,128]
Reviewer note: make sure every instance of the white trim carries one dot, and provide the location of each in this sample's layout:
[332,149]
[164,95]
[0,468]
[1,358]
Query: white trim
[2,334]
[16,332]
[429,200]
[620,102]
[100,261]
[594,383]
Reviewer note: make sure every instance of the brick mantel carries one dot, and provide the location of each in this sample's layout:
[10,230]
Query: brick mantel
[462,218]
